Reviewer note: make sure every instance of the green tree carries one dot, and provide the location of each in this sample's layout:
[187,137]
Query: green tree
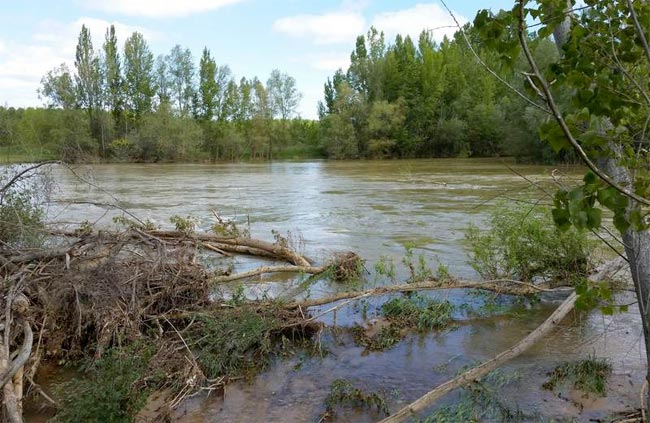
[162,82]
[114,90]
[138,76]
[284,97]
[208,87]
[89,83]
[385,125]
[57,86]
[604,64]
[181,72]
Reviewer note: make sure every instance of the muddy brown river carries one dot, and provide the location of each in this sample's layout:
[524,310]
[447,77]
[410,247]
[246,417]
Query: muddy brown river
[375,209]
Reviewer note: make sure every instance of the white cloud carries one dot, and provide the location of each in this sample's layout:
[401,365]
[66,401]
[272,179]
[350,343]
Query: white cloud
[423,16]
[325,61]
[330,62]
[23,64]
[329,28]
[157,8]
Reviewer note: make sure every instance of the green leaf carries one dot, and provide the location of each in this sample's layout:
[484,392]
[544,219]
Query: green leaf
[607,310]
[594,218]
[620,222]
[562,218]
[552,133]
[636,220]
[590,178]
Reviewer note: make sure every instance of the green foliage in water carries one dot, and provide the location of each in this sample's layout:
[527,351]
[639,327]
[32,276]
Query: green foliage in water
[108,392]
[385,338]
[481,401]
[412,312]
[522,242]
[419,270]
[588,375]
[238,340]
[187,224]
[344,394]
[416,311]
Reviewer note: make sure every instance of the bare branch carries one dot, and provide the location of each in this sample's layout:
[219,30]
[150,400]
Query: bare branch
[25,171]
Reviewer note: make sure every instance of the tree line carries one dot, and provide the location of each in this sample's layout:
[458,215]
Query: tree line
[398,100]
[429,99]
[124,104]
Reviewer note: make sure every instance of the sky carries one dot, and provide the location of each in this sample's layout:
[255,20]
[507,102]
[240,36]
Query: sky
[308,39]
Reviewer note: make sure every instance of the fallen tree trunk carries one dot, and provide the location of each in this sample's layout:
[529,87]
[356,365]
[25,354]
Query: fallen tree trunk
[312,270]
[500,286]
[276,250]
[483,369]
[242,245]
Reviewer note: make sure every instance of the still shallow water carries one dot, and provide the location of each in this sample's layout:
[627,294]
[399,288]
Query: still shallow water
[373,208]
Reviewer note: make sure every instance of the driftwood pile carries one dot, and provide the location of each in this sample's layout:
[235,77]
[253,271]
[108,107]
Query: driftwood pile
[97,290]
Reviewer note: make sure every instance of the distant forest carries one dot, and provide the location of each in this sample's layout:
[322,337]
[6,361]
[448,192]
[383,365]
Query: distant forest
[396,100]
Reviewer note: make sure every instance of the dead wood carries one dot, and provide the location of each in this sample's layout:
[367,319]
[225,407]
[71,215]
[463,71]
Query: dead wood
[483,369]
[278,251]
[313,270]
[500,286]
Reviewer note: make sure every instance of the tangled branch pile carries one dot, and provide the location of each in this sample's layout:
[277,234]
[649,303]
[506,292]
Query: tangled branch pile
[105,293]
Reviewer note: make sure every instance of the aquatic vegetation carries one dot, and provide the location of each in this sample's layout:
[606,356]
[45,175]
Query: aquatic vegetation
[404,314]
[344,394]
[589,375]
[480,401]
[419,312]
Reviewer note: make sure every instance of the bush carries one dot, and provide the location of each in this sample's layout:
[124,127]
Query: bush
[21,211]
[21,221]
[109,392]
[524,243]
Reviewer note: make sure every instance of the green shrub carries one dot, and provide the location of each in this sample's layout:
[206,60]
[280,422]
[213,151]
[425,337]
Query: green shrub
[344,394]
[21,220]
[108,392]
[524,243]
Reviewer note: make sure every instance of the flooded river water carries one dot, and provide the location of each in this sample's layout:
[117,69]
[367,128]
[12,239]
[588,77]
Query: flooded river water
[375,209]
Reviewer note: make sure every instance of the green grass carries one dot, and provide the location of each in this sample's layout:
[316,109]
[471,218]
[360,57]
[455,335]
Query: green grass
[412,312]
[109,391]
